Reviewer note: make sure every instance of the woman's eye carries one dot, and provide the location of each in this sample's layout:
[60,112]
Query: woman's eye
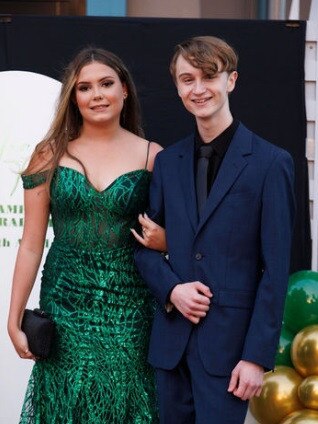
[107,83]
[83,88]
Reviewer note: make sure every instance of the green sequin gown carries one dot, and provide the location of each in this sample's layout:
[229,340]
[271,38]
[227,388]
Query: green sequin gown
[97,372]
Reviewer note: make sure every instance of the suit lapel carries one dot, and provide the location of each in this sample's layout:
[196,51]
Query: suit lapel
[186,172]
[233,164]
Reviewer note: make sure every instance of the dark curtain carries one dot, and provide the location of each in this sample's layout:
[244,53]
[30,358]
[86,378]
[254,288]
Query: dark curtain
[269,97]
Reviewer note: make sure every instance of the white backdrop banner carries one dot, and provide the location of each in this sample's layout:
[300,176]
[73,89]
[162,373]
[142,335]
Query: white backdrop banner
[27,105]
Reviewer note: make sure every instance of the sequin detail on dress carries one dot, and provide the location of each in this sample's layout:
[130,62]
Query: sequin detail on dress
[97,373]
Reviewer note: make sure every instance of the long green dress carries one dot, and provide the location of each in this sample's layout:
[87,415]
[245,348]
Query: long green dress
[97,372]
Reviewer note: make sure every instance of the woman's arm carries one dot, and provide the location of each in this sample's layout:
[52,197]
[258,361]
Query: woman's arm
[153,235]
[36,215]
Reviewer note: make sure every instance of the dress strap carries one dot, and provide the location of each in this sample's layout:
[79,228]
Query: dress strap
[148,148]
[34,180]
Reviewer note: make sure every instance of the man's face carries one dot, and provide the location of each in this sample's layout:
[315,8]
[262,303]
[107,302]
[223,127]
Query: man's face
[204,95]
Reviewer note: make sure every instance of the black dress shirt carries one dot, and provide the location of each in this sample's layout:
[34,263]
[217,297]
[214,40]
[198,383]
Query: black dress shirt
[220,146]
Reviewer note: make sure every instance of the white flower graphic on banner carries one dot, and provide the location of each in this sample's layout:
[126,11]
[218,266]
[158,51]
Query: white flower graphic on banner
[26,110]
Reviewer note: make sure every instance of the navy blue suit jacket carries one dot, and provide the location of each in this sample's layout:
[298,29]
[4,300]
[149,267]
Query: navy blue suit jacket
[240,248]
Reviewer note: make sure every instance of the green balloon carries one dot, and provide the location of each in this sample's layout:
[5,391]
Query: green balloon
[301,306]
[283,349]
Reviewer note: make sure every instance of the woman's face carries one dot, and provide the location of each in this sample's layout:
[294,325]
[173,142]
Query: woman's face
[99,94]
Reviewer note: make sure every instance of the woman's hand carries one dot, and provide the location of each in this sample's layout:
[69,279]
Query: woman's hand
[20,344]
[153,236]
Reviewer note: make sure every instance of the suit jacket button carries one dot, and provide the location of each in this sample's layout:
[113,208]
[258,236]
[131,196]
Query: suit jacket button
[198,256]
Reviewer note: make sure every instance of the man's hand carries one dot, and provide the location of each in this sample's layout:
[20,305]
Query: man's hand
[246,380]
[192,300]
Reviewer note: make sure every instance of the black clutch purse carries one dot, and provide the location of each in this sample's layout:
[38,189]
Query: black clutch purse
[39,330]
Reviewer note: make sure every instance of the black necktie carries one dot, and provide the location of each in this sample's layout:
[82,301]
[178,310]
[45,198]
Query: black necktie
[204,154]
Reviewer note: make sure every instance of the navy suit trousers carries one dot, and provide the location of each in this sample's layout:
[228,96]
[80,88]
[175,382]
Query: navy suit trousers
[187,394]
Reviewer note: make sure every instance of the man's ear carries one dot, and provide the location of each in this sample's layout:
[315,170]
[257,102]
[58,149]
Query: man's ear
[231,81]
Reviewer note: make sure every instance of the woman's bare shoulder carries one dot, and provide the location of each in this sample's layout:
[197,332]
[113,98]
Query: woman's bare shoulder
[41,160]
[145,149]
[154,149]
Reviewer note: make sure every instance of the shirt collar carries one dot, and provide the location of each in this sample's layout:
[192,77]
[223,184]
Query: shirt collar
[221,142]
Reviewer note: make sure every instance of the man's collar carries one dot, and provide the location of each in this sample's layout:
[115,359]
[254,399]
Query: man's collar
[222,141]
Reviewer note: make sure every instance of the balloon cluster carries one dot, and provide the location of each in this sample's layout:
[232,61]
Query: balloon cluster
[290,393]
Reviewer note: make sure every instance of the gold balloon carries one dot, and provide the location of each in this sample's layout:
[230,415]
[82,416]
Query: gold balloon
[306,416]
[308,392]
[304,351]
[279,396]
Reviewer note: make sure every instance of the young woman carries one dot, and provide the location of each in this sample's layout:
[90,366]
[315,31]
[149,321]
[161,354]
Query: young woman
[91,173]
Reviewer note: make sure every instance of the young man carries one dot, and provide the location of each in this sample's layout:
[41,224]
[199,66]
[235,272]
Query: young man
[228,219]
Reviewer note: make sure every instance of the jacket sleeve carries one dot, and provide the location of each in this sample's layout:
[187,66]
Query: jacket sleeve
[278,208]
[152,265]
